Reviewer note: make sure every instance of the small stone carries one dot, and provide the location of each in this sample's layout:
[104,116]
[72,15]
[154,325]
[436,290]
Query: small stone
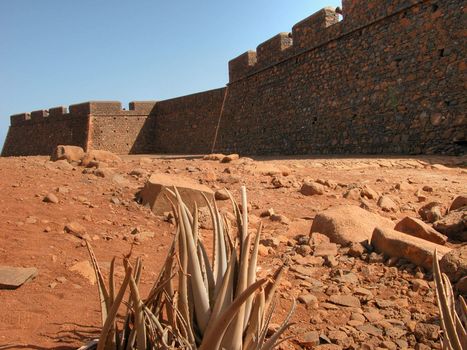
[431,212]
[15,277]
[325,249]
[387,204]
[309,300]
[263,250]
[353,193]
[427,189]
[370,329]
[221,195]
[280,218]
[115,200]
[310,339]
[266,213]
[368,192]
[311,189]
[51,198]
[31,220]
[356,250]
[458,202]
[76,229]
[404,186]
[85,269]
[230,158]
[345,300]
[419,284]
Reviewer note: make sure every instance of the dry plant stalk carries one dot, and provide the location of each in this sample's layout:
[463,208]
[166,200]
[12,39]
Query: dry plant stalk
[217,303]
[452,321]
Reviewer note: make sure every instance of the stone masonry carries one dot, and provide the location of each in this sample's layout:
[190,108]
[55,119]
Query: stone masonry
[375,77]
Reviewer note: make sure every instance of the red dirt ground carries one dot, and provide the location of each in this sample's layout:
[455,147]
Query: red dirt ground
[37,316]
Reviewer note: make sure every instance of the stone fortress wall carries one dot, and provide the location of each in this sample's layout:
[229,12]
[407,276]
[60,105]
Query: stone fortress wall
[389,77]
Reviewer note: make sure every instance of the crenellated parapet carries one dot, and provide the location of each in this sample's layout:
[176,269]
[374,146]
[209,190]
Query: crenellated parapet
[145,107]
[242,65]
[18,119]
[94,108]
[313,30]
[326,25]
[358,13]
[273,50]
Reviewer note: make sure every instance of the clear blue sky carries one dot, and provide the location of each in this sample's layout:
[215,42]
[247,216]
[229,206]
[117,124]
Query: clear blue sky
[60,52]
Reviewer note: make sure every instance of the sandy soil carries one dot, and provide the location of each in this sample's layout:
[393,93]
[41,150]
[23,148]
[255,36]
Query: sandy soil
[59,309]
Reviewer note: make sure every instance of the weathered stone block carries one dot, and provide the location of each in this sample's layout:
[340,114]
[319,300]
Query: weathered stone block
[156,189]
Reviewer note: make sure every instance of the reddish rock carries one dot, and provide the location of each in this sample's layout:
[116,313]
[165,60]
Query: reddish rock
[454,264]
[418,228]
[397,244]
[100,156]
[387,204]
[312,188]
[72,154]
[157,188]
[431,212]
[214,156]
[458,202]
[348,223]
[230,158]
[454,225]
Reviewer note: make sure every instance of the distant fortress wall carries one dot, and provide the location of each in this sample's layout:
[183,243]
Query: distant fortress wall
[373,77]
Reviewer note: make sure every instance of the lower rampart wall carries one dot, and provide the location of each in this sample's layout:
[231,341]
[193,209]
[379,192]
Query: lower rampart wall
[40,137]
[187,124]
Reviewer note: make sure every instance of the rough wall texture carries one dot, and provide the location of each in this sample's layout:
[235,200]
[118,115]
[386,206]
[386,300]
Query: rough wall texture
[33,133]
[371,83]
[388,78]
[188,124]
[124,132]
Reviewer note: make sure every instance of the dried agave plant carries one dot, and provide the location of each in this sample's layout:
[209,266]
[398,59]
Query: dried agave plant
[195,303]
[452,322]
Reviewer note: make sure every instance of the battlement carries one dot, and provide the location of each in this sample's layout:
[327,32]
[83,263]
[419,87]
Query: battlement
[319,28]
[20,118]
[358,13]
[57,111]
[312,30]
[242,65]
[96,107]
[273,50]
[145,107]
[38,115]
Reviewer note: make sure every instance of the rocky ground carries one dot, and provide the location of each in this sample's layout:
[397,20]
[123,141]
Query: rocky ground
[348,297]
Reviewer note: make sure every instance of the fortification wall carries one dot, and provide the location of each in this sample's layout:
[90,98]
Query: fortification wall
[187,124]
[38,133]
[388,78]
[123,131]
[91,125]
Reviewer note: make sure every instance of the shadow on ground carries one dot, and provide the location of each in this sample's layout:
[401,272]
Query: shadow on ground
[70,339]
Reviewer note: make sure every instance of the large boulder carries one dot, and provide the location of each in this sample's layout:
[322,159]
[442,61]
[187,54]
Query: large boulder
[72,154]
[97,155]
[454,264]
[418,228]
[155,192]
[454,225]
[348,224]
[400,245]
